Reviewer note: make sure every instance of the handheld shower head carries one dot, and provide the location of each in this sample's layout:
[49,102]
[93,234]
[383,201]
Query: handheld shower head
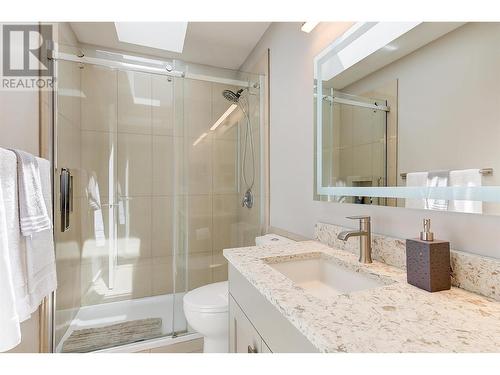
[232,96]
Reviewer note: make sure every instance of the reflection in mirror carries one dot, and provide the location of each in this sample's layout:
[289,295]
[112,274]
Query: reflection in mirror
[415,123]
[355,143]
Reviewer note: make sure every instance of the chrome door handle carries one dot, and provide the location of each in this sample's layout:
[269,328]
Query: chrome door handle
[65,191]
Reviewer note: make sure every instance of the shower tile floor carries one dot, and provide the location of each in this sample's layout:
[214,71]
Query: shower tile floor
[162,306]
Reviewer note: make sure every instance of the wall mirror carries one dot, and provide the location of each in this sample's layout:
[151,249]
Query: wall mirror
[408,115]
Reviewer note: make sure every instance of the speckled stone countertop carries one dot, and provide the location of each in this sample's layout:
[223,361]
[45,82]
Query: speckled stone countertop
[396,317]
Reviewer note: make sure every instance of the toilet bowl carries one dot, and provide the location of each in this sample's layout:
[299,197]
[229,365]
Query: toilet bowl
[206,311]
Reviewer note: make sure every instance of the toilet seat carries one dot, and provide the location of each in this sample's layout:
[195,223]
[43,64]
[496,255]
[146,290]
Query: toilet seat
[211,298]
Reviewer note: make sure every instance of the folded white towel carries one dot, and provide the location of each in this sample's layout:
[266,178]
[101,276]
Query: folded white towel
[40,253]
[466,178]
[10,332]
[33,214]
[94,199]
[16,242]
[32,259]
[415,179]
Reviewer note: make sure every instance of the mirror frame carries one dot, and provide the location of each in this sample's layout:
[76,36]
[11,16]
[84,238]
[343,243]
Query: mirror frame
[357,43]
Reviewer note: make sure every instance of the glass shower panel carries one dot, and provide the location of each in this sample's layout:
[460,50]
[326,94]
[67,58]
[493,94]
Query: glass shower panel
[86,147]
[211,138]
[69,243]
[119,145]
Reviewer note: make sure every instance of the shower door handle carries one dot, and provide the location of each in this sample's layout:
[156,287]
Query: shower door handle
[66,190]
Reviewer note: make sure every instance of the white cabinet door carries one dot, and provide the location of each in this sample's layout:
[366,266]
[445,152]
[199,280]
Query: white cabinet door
[243,338]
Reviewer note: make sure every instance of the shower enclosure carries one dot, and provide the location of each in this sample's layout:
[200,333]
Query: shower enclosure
[149,185]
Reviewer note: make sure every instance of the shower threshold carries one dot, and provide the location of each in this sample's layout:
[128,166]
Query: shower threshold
[108,314]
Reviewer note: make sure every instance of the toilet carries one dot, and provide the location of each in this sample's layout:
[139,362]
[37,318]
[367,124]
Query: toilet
[206,310]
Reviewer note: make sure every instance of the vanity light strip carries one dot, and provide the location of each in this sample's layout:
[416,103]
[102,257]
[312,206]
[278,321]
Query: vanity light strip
[469,193]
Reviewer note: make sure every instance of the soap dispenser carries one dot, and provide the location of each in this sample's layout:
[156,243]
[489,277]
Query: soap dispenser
[428,261]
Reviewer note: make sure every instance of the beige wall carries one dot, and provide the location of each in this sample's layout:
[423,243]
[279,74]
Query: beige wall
[19,128]
[292,159]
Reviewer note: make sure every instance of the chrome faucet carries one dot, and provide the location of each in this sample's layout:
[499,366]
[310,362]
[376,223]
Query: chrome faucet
[365,237]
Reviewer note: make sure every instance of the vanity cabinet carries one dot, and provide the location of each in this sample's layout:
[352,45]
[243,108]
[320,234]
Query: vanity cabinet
[256,326]
[243,337]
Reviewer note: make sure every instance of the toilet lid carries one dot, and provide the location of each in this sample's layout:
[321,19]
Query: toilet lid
[208,298]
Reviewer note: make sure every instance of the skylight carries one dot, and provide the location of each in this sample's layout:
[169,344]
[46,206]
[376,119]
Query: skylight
[168,36]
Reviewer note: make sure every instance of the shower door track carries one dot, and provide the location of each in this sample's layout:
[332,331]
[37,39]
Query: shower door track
[121,65]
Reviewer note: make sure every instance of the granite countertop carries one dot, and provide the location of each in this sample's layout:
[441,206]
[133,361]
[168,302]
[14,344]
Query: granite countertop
[396,317]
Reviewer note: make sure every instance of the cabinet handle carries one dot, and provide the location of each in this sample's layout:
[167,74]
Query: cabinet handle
[251,350]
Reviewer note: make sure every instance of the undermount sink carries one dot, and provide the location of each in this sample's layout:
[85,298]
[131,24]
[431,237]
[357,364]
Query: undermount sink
[322,277]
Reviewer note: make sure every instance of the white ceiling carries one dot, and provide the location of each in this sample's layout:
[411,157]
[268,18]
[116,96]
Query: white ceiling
[220,44]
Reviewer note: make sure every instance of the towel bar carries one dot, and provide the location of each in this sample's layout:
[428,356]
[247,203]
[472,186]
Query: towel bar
[483,171]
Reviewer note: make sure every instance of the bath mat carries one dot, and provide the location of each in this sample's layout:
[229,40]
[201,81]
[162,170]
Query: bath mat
[90,339]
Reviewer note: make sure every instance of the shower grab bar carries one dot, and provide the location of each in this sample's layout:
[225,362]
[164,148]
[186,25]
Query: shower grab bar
[483,171]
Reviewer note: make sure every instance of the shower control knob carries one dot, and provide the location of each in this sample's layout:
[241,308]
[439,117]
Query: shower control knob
[247,199]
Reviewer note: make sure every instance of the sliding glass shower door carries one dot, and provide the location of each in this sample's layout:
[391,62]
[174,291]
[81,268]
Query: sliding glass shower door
[115,134]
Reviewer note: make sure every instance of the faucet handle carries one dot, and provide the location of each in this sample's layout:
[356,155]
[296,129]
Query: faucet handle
[360,218]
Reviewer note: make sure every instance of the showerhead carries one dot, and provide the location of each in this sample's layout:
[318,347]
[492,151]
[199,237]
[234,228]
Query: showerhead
[232,96]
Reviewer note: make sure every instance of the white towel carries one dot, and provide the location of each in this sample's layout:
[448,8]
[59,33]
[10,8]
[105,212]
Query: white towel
[437,179]
[10,332]
[416,179]
[40,254]
[94,199]
[16,242]
[32,259]
[33,214]
[466,178]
